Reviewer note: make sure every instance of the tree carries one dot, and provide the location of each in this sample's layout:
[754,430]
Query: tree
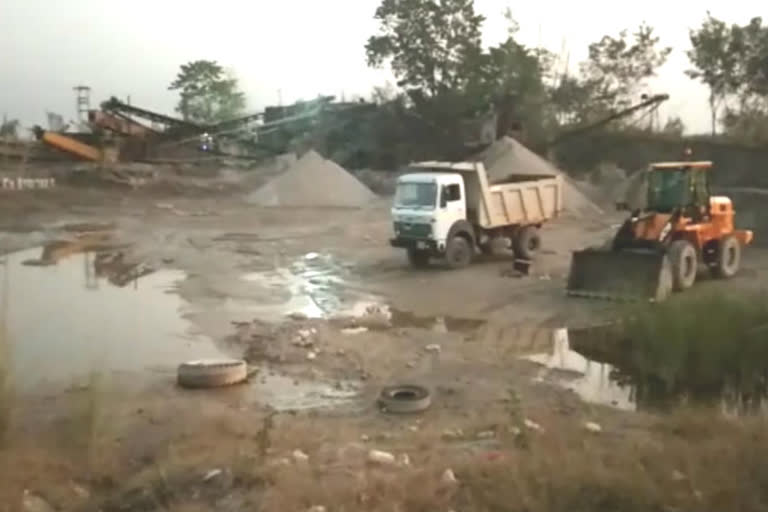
[431,45]
[618,67]
[207,93]
[674,126]
[716,50]
[9,128]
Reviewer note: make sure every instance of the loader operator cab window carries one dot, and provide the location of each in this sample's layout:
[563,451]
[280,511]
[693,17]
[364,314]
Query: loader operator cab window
[669,189]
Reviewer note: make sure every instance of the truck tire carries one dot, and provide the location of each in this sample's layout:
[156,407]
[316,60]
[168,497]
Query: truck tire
[527,242]
[728,259]
[418,258]
[684,260]
[458,252]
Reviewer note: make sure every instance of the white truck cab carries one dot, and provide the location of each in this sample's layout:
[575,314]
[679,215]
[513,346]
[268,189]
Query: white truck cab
[449,209]
[426,206]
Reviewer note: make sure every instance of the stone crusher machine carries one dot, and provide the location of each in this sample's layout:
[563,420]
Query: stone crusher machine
[660,247]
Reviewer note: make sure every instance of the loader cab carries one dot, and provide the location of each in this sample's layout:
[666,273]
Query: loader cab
[679,186]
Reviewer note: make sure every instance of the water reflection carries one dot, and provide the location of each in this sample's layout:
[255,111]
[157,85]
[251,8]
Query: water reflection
[593,381]
[67,320]
[623,368]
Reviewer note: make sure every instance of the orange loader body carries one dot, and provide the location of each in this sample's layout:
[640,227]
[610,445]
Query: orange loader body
[659,248]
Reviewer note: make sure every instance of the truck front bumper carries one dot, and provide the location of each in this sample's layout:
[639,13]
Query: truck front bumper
[418,244]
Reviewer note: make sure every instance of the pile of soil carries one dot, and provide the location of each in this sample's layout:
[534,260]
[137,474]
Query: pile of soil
[507,156]
[313,181]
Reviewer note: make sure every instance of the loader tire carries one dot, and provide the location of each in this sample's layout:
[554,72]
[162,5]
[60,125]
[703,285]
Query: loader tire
[418,258]
[458,252]
[527,242]
[682,255]
[728,259]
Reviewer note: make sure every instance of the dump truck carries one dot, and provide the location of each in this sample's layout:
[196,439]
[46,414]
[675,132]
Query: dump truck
[661,247]
[451,211]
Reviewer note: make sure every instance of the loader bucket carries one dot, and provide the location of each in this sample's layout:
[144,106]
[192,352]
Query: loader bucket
[620,275]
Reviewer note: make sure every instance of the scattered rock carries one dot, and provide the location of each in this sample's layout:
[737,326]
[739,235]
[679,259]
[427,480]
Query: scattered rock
[403,460]
[298,316]
[434,348]
[316,508]
[451,434]
[515,431]
[380,457]
[34,503]
[354,330]
[81,491]
[410,364]
[311,256]
[593,427]
[300,457]
[413,428]
[212,474]
[486,434]
[282,461]
[448,478]
[678,476]
[365,438]
[532,425]
[311,356]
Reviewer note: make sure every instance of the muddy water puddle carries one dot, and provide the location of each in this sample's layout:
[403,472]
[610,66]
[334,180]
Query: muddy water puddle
[603,367]
[285,393]
[593,381]
[314,286]
[86,312]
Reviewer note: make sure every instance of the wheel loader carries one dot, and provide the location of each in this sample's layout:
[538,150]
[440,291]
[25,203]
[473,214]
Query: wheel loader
[662,246]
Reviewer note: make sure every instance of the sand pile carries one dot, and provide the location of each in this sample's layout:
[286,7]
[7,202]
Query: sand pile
[507,156]
[313,181]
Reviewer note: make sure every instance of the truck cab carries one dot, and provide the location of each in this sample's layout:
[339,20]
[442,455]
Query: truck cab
[426,207]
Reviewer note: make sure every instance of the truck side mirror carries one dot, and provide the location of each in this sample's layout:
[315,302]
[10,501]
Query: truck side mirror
[443,196]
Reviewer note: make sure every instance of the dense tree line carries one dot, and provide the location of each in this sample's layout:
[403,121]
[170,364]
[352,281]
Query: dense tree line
[434,50]
[445,75]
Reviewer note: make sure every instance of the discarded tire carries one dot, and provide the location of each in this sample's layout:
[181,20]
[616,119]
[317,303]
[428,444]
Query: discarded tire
[212,373]
[405,399]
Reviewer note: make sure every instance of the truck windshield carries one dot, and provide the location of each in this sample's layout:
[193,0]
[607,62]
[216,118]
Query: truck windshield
[416,195]
[667,189]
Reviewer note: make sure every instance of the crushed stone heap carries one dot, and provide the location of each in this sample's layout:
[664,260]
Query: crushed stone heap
[313,181]
[507,156]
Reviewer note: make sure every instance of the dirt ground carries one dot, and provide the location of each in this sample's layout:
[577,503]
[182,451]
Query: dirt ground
[140,443]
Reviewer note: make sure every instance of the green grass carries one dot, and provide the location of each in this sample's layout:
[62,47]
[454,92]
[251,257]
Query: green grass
[701,348]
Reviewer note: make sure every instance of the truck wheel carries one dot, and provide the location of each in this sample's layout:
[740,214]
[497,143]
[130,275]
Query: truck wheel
[682,255]
[418,258]
[728,258]
[458,252]
[527,242]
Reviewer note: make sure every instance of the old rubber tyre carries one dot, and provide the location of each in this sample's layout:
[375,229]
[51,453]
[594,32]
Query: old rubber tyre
[728,259]
[211,373]
[405,399]
[458,252]
[418,258]
[684,260]
[527,243]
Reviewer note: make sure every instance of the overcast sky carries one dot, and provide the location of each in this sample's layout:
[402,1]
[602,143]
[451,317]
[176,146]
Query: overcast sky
[299,47]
